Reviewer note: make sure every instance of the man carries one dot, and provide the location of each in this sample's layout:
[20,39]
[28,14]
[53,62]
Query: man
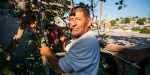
[83,54]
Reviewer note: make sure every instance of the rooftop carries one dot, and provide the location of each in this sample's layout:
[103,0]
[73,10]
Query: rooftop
[106,25]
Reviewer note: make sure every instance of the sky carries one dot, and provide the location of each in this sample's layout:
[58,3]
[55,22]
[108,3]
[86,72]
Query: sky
[140,8]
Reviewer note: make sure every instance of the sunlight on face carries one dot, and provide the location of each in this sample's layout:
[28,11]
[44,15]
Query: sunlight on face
[78,24]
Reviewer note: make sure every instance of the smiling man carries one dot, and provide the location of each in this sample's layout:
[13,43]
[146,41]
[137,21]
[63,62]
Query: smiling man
[83,54]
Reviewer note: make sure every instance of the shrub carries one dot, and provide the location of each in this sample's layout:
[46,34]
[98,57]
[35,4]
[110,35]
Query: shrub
[125,29]
[147,31]
[143,30]
[116,27]
[135,29]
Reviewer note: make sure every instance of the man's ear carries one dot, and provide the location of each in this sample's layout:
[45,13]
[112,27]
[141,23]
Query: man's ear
[89,22]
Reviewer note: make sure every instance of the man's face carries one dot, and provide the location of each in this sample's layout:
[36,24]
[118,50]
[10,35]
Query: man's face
[78,23]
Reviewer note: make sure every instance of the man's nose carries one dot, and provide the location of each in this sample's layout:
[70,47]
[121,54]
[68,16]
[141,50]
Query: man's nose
[74,22]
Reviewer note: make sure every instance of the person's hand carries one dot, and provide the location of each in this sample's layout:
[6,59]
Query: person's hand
[36,22]
[45,51]
[54,27]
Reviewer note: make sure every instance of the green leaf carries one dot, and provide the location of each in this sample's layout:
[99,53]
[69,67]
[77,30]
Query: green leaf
[117,3]
[121,2]
[119,7]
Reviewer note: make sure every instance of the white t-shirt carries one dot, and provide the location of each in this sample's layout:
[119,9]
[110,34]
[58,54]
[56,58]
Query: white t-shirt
[83,56]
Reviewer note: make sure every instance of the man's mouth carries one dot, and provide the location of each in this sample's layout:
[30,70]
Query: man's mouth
[74,28]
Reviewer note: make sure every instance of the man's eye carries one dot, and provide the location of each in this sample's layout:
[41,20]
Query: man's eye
[70,19]
[78,19]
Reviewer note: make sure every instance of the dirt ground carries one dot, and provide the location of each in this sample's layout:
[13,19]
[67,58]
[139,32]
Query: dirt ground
[126,40]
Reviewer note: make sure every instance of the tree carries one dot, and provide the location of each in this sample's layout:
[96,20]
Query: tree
[27,13]
[145,30]
[137,17]
[117,19]
[121,3]
[144,19]
[122,21]
[133,18]
[127,20]
[113,22]
[149,18]
[130,19]
[140,22]
[121,17]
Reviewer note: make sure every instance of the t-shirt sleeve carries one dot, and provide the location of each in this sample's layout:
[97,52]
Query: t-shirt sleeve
[77,58]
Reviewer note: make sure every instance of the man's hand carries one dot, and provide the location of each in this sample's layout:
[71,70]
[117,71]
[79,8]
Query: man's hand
[45,51]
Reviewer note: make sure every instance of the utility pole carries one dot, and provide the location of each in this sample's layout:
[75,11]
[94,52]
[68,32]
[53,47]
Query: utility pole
[95,14]
[100,14]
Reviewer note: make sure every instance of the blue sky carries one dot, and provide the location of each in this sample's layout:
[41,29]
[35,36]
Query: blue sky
[140,8]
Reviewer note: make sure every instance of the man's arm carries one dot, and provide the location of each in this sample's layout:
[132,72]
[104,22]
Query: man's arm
[63,38]
[45,51]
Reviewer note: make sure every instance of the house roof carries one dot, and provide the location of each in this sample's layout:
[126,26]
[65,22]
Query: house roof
[106,25]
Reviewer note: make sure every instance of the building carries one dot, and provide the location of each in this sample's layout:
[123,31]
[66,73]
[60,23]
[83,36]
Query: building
[105,27]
